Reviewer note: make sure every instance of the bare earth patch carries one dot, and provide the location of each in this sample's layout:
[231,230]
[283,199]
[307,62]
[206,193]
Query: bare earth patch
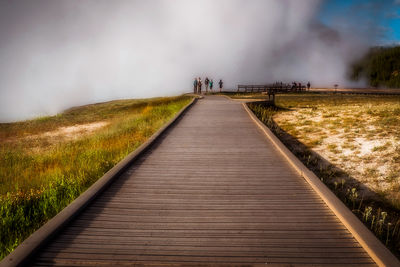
[71,132]
[352,138]
[61,134]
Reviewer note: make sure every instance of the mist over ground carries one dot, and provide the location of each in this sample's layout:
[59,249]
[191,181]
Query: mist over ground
[58,54]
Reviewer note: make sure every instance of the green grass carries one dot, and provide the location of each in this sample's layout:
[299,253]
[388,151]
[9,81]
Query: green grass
[40,175]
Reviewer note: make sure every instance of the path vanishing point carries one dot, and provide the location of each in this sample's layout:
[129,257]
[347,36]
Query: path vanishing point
[212,189]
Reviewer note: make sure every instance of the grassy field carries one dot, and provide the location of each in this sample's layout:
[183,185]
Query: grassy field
[352,142]
[47,162]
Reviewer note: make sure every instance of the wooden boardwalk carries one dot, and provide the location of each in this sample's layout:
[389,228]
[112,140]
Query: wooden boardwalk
[213,190]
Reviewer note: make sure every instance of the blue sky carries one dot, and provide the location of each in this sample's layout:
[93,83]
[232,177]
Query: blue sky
[380,19]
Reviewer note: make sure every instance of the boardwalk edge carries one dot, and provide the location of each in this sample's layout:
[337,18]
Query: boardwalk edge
[40,237]
[372,245]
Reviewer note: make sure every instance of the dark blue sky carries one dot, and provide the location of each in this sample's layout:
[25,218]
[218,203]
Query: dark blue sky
[379,19]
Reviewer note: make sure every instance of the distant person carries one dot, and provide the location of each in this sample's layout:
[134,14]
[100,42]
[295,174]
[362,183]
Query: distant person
[211,85]
[308,86]
[199,84]
[221,84]
[336,87]
[206,83]
[300,87]
[195,86]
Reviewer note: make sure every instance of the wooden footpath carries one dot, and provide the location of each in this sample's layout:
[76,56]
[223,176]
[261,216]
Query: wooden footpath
[211,190]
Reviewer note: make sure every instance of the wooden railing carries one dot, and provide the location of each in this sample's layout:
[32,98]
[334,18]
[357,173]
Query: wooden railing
[272,88]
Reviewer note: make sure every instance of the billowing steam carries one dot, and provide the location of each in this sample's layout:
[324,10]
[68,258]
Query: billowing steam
[57,54]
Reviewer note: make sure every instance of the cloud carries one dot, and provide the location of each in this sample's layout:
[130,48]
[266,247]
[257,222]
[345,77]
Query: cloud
[56,54]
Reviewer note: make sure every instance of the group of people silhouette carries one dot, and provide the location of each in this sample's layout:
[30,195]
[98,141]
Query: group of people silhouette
[198,84]
[295,86]
[299,86]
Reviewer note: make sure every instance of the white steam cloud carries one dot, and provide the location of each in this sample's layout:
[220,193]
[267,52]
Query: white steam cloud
[57,54]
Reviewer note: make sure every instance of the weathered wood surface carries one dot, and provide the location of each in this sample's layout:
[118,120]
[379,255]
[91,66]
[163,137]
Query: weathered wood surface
[212,190]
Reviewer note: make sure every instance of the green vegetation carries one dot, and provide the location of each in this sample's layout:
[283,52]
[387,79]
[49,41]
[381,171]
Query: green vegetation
[381,67]
[46,163]
[352,143]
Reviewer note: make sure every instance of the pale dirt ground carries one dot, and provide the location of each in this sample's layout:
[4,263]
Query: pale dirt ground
[70,132]
[61,134]
[355,147]
[36,143]
[46,140]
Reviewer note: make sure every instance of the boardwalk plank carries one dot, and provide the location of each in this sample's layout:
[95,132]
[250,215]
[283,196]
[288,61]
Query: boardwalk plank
[346,251]
[203,259]
[222,252]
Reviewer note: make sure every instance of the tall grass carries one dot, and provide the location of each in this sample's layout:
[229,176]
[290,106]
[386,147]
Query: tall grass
[39,177]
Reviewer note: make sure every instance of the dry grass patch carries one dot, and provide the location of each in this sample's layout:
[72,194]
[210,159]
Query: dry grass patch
[359,134]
